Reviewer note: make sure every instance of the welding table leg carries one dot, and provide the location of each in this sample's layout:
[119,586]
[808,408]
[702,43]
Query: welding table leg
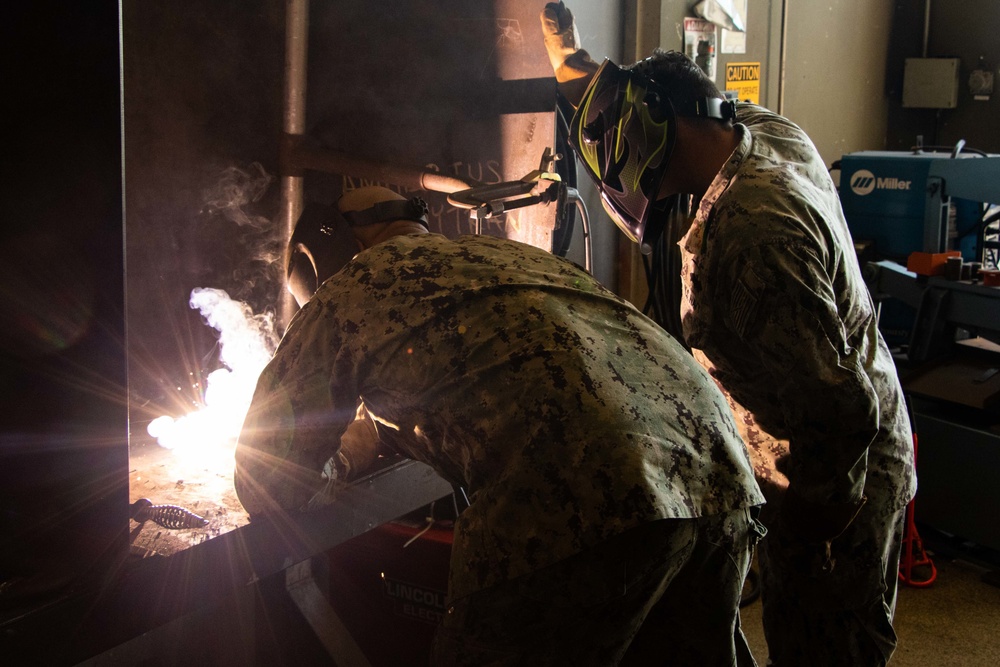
[330,630]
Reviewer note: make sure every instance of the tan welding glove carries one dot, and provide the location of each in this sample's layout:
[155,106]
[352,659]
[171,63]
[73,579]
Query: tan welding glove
[359,449]
[359,446]
[572,65]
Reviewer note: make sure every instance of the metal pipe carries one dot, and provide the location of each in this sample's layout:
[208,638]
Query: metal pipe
[927,26]
[294,123]
[305,153]
[783,48]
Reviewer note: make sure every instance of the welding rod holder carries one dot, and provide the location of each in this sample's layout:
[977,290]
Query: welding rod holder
[173,517]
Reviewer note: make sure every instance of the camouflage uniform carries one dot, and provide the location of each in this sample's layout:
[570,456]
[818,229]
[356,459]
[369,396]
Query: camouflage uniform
[568,416]
[774,302]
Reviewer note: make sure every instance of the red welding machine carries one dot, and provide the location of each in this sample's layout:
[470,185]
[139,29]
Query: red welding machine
[388,587]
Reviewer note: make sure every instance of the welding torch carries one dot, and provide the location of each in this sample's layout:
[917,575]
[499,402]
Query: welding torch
[540,186]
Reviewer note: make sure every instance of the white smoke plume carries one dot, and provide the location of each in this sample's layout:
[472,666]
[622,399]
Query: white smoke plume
[235,190]
[246,343]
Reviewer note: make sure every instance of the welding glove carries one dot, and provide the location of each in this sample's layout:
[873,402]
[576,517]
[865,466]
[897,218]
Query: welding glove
[359,446]
[359,449]
[573,67]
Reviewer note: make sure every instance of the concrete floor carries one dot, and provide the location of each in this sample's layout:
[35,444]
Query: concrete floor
[955,622]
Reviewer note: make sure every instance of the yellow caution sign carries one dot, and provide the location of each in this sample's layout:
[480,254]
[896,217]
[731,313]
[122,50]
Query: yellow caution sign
[744,80]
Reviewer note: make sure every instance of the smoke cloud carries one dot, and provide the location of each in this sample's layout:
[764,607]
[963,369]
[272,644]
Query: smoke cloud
[246,343]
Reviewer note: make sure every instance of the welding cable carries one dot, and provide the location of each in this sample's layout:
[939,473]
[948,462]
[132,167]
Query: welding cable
[912,552]
[662,267]
[173,517]
[751,588]
[953,151]
[680,221]
[566,168]
[430,524]
[651,265]
[573,195]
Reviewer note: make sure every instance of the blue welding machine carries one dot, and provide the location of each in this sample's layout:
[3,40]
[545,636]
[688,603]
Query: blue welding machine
[885,196]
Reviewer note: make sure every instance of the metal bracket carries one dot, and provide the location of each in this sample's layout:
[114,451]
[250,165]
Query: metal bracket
[315,608]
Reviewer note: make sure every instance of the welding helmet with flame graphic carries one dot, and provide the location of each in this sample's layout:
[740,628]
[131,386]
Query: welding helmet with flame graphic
[624,131]
[323,243]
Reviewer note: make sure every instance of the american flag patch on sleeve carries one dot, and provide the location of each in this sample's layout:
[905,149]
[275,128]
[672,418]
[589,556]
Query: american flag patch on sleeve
[743,302]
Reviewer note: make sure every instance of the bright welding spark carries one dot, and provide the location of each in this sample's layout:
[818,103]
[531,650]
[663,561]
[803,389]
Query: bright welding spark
[246,343]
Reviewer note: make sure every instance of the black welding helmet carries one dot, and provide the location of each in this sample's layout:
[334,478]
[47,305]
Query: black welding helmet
[323,242]
[624,130]
[321,245]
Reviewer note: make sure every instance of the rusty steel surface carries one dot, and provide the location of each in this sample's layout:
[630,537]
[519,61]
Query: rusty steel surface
[154,473]
[217,568]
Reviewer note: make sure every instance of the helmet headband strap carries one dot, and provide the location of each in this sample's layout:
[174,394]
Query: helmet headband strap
[413,208]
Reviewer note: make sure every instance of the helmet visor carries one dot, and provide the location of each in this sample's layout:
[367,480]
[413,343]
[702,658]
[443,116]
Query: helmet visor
[623,130]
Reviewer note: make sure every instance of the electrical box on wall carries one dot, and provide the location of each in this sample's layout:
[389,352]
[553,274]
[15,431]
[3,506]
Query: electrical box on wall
[931,83]
[981,83]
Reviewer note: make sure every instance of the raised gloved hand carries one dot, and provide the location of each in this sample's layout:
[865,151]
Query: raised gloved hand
[572,65]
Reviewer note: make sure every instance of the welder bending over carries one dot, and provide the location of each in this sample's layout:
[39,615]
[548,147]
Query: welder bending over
[611,497]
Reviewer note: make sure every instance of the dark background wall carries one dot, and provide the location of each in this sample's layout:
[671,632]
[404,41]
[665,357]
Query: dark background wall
[965,29]
[63,419]
[202,89]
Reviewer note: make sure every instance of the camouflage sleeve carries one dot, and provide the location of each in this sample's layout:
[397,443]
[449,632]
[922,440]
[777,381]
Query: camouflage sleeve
[782,305]
[296,418]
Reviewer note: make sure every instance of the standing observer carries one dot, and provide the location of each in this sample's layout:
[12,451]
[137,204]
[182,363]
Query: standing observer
[774,305]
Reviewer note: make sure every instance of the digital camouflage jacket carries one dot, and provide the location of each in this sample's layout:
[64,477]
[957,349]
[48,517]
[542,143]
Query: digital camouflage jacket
[567,415]
[774,298]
